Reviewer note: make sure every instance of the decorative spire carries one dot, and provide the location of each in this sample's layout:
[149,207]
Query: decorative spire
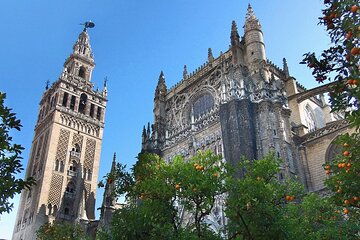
[250,13]
[161,89]
[251,21]
[285,68]
[210,55]
[82,46]
[47,84]
[113,165]
[185,73]
[235,39]
[148,129]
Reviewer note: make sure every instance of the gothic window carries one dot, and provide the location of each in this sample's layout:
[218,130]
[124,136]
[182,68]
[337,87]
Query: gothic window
[49,209]
[98,114]
[65,99]
[310,118]
[55,209]
[73,166]
[92,110]
[66,211]
[72,102]
[332,151]
[82,104]
[57,165]
[62,166]
[70,188]
[89,175]
[203,105]
[82,72]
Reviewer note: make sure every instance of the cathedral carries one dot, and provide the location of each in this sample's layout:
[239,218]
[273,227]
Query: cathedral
[236,104]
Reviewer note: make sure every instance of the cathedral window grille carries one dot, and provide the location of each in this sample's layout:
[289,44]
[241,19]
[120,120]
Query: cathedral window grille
[65,99]
[72,102]
[82,72]
[82,104]
[203,105]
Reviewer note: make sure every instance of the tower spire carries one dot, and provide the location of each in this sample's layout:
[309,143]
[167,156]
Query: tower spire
[235,39]
[185,73]
[210,55]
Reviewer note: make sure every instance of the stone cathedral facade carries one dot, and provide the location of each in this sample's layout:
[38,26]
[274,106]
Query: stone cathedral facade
[65,153]
[241,104]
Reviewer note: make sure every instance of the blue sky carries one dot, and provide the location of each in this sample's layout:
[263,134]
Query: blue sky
[132,42]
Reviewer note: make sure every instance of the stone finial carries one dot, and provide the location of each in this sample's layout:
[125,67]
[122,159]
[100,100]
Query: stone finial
[285,68]
[185,73]
[235,39]
[250,13]
[210,55]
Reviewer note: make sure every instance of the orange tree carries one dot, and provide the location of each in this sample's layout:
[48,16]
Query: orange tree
[161,191]
[257,202]
[340,63]
[61,230]
[10,158]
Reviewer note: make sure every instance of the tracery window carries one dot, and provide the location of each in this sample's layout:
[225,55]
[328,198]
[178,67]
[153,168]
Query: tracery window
[203,105]
[310,118]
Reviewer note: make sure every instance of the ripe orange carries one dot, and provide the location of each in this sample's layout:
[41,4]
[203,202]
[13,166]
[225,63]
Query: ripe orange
[346,145]
[354,9]
[350,82]
[348,165]
[292,198]
[347,202]
[216,174]
[355,51]
[346,153]
[348,57]
[339,191]
[327,171]
[339,165]
[349,35]
[343,165]
[356,198]
[355,82]
[346,211]
[327,167]
[177,186]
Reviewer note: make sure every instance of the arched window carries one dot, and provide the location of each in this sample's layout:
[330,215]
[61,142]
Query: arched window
[55,209]
[82,72]
[332,151]
[82,104]
[57,165]
[203,105]
[62,166]
[66,211]
[89,175]
[310,118]
[49,209]
[70,188]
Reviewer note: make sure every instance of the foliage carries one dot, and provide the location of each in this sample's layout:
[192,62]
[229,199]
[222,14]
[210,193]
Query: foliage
[10,159]
[318,218]
[340,62]
[255,206]
[61,230]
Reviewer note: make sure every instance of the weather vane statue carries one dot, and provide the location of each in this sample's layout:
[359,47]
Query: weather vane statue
[87,25]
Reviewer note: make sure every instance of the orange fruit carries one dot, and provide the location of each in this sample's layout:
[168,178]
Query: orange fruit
[350,82]
[327,171]
[339,191]
[349,35]
[339,165]
[216,174]
[346,145]
[354,9]
[177,186]
[346,153]
[356,198]
[327,167]
[355,51]
[346,211]
[355,82]
[348,165]
[347,202]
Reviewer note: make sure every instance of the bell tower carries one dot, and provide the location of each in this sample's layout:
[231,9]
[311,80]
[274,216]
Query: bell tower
[65,152]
